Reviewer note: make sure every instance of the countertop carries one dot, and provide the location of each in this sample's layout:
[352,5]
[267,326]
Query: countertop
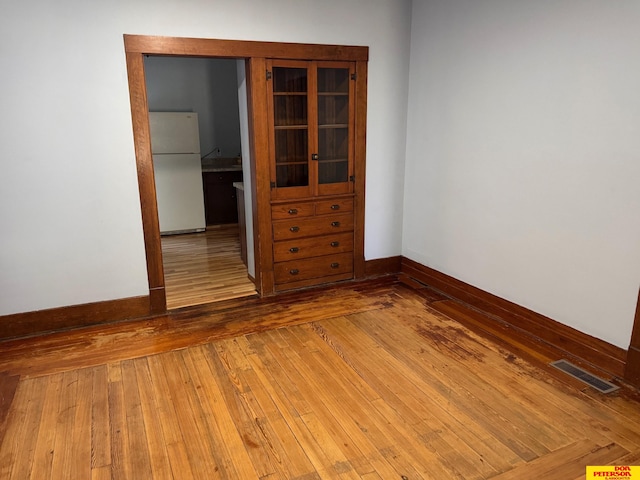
[236,168]
[233,164]
[239,185]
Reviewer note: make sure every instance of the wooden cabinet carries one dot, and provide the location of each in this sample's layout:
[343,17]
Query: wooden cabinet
[220,196]
[312,107]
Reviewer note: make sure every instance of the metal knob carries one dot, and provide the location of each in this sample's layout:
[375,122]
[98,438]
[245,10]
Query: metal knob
[293,211]
[335,207]
[295,229]
[335,244]
[294,249]
[294,271]
[335,265]
[335,224]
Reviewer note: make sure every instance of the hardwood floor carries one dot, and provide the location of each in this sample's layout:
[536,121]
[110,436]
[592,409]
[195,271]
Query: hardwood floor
[204,267]
[362,380]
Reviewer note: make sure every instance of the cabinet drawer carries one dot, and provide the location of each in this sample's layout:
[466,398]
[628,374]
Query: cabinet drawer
[292,210]
[341,205]
[312,226]
[315,267]
[312,247]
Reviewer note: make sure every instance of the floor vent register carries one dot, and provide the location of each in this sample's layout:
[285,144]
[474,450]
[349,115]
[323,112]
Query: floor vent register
[598,383]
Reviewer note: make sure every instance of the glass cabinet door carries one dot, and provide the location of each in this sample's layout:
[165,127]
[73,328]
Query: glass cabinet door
[312,107]
[333,125]
[291,125]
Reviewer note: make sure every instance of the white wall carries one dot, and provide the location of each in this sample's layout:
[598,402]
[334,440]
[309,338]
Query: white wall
[523,154]
[69,207]
[243,110]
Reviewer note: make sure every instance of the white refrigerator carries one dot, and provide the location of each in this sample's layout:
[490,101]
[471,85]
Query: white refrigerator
[175,145]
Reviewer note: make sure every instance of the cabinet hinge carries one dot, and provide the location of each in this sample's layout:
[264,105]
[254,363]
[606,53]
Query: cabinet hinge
[354,76]
[273,184]
[268,75]
[352,178]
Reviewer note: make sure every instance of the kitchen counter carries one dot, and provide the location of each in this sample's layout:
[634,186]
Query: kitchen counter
[239,185]
[233,164]
[232,168]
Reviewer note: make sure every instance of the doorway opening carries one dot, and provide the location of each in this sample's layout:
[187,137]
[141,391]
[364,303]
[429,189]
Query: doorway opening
[200,197]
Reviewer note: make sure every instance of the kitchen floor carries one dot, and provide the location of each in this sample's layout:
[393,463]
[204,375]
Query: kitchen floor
[204,267]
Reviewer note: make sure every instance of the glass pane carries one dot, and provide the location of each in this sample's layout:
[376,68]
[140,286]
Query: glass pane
[334,80]
[333,165]
[289,79]
[333,143]
[292,169]
[290,110]
[333,109]
[333,125]
[333,172]
[295,175]
[291,145]
[291,126]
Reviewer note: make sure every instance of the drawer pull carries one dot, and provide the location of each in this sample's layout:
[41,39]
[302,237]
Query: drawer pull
[335,244]
[335,224]
[294,271]
[335,265]
[293,211]
[295,229]
[294,249]
[335,207]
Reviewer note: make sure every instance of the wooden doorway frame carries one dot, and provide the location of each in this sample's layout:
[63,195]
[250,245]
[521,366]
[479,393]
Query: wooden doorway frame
[255,55]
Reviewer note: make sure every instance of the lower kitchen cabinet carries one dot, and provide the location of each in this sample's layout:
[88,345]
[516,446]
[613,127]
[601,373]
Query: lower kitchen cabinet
[220,204]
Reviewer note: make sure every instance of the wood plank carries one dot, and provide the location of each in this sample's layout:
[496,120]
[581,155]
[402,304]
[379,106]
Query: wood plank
[137,437]
[119,434]
[166,411]
[100,422]
[45,443]
[202,458]
[153,424]
[8,386]
[21,434]
[80,438]
[62,457]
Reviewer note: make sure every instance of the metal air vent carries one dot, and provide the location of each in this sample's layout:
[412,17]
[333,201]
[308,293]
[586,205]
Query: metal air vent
[576,372]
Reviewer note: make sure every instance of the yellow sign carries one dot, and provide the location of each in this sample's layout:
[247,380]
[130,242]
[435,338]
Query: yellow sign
[613,472]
